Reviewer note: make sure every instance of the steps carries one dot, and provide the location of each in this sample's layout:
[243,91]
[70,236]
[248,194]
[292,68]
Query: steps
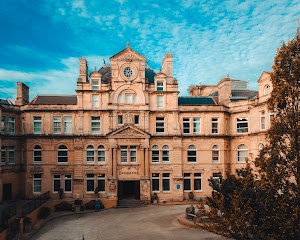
[130,203]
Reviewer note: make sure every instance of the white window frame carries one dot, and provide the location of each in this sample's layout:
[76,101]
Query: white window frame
[95,124]
[56,124]
[271,118]
[101,177]
[191,148]
[37,125]
[124,157]
[136,120]
[68,177]
[166,177]
[187,178]
[155,154]
[37,154]
[196,124]
[160,86]
[155,177]
[262,120]
[242,152]
[216,177]
[3,124]
[133,154]
[120,120]
[160,125]
[260,146]
[95,101]
[101,154]
[165,154]
[239,125]
[11,125]
[37,183]
[95,84]
[56,178]
[267,89]
[160,101]
[197,177]
[3,155]
[214,125]
[129,154]
[60,149]
[91,178]
[90,154]
[215,154]
[68,125]
[11,155]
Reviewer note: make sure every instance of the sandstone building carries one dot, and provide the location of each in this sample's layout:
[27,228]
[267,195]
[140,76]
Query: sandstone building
[129,133]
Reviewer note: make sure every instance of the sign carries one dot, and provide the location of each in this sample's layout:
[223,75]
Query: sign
[178,186]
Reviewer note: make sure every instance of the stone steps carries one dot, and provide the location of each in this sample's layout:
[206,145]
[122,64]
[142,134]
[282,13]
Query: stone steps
[130,203]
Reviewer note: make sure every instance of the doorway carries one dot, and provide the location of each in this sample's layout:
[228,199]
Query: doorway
[128,190]
[7,192]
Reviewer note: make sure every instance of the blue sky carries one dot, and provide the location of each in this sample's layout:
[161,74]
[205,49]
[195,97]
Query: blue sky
[42,41]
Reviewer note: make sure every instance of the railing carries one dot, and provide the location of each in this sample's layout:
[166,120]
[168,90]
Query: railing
[6,214]
[35,203]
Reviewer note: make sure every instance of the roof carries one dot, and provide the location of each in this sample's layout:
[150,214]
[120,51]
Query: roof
[196,101]
[149,74]
[243,94]
[105,71]
[5,102]
[55,100]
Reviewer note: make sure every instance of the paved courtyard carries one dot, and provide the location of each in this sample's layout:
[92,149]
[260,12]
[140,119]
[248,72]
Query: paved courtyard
[152,222]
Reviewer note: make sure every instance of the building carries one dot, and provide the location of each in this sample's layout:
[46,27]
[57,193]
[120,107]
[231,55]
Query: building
[129,133]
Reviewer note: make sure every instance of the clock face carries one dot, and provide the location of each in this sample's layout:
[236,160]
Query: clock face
[128,72]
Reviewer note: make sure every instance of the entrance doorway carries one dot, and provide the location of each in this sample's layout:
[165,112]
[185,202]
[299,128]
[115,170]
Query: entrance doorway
[7,192]
[128,190]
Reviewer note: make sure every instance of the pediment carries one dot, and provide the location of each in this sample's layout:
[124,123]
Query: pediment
[128,54]
[160,75]
[128,131]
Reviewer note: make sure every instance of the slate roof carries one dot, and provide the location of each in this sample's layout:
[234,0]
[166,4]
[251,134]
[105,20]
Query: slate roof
[243,94]
[5,102]
[149,74]
[105,71]
[196,101]
[55,100]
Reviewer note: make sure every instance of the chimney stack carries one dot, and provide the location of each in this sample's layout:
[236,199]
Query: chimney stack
[22,94]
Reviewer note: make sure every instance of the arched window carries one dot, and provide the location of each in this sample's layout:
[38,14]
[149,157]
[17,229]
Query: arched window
[37,154]
[215,154]
[101,154]
[90,154]
[165,154]
[155,154]
[267,89]
[128,97]
[260,146]
[62,154]
[242,153]
[192,154]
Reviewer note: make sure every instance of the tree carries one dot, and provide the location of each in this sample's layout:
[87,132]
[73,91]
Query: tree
[270,201]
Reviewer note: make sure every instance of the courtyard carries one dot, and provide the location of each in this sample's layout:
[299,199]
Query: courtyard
[151,222]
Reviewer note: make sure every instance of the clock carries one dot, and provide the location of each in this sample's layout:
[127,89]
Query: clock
[128,72]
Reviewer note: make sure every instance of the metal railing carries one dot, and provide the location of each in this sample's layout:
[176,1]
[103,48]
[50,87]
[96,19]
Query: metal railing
[35,203]
[6,214]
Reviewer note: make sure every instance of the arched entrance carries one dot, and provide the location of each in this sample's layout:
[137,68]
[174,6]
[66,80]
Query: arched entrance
[129,189]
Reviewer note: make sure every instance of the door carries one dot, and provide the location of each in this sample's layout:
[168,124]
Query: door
[129,190]
[7,192]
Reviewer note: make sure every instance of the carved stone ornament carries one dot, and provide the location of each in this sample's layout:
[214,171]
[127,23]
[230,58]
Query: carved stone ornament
[129,118]
[128,167]
[112,187]
[128,57]
[193,168]
[36,170]
[61,169]
[161,168]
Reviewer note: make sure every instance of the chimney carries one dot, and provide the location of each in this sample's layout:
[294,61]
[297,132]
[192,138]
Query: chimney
[22,94]
[167,65]
[83,77]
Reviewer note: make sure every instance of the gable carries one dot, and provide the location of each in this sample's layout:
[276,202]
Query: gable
[128,54]
[128,131]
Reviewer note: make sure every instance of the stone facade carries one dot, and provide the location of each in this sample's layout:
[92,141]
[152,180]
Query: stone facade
[127,132]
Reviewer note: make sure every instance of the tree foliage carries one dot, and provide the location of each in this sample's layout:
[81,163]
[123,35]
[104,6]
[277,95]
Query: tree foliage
[267,206]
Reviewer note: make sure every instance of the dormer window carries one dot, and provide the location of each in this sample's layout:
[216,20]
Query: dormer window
[267,89]
[95,84]
[160,86]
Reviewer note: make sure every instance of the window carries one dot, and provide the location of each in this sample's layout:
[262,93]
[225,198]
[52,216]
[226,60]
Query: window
[128,151]
[155,154]
[216,178]
[120,98]
[11,155]
[37,183]
[136,119]
[160,86]
[56,125]
[95,101]
[90,154]
[95,125]
[242,125]
[215,154]
[215,125]
[192,154]
[186,125]
[120,119]
[242,153]
[197,182]
[196,127]
[166,182]
[160,124]
[260,146]
[56,183]
[271,118]
[101,182]
[68,183]
[267,89]
[37,154]
[187,182]
[3,124]
[155,182]
[165,154]
[262,120]
[68,124]
[160,101]
[128,96]
[37,125]
[3,155]
[11,125]
[62,154]
[90,187]
[101,154]
[95,84]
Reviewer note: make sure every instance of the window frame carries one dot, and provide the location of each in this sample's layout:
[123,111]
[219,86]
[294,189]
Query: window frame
[65,181]
[160,125]
[191,148]
[90,159]
[90,177]
[37,178]
[11,155]
[11,125]
[160,86]
[155,177]
[37,149]
[240,121]
[95,101]
[37,120]
[68,125]
[215,151]
[101,177]
[166,178]
[195,123]
[3,124]
[160,101]
[239,151]
[155,154]
[186,125]
[187,178]
[60,149]
[165,154]
[57,124]
[95,124]
[3,155]
[101,149]
[215,125]
[262,120]
[56,178]
[95,84]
